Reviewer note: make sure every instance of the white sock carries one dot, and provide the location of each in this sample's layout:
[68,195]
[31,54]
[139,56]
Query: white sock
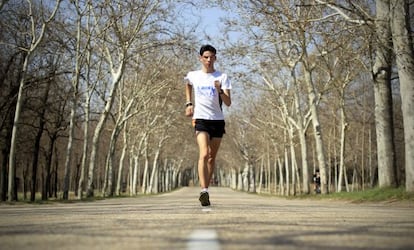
[204,190]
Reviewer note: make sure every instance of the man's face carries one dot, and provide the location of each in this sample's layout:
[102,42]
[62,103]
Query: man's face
[208,59]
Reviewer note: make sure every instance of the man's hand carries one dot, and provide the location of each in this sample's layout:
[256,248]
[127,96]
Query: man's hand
[217,84]
[189,111]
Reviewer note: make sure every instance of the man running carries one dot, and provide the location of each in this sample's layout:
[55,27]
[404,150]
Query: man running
[211,89]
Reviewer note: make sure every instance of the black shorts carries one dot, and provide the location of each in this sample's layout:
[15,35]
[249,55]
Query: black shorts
[215,128]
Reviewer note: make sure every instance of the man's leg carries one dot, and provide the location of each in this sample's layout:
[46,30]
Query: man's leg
[211,163]
[203,147]
[204,173]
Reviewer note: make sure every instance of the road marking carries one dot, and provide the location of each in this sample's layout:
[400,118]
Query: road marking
[206,209]
[203,239]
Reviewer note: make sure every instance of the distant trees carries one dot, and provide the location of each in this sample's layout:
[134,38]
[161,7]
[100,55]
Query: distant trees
[36,31]
[100,70]
[309,63]
[392,38]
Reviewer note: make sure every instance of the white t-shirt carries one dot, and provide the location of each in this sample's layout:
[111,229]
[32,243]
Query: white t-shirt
[206,98]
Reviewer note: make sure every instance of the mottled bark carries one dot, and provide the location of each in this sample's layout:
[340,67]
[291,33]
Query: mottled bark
[383,97]
[404,53]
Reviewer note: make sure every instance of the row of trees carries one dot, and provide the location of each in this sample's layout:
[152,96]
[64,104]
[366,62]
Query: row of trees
[318,78]
[92,96]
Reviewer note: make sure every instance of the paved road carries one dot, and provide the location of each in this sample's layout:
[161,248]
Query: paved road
[235,221]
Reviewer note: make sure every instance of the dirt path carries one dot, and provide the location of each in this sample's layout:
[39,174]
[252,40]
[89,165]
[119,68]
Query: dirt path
[235,221]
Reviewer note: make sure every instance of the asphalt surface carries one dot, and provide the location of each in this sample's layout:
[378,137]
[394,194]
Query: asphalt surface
[235,220]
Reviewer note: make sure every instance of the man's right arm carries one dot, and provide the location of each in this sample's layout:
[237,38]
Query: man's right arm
[189,109]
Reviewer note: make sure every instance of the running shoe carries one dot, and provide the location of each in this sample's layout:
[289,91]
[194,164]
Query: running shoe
[204,199]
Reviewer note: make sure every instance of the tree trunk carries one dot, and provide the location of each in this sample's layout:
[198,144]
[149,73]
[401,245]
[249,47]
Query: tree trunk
[3,174]
[152,183]
[26,182]
[346,179]
[69,148]
[107,189]
[261,174]
[252,178]
[293,162]
[87,106]
[135,178]
[145,173]
[383,97]
[404,52]
[317,129]
[36,151]
[48,167]
[84,149]
[305,166]
[5,150]
[301,130]
[177,172]
[95,147]
[121,161]
[287,171]
[75,86]
[136,170]
[233,182]
[275,189]
[342,143]
[281,179]
[245,177]
[12,196]
[116,77]
[55,186]
[36,39]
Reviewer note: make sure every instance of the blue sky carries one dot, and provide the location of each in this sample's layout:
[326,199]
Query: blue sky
[211,24]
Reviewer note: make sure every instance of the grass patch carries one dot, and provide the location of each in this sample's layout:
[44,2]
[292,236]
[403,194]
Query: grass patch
[371,195]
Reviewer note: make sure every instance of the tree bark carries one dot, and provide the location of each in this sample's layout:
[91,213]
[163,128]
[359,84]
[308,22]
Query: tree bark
[86,108]
[245,177]
[404,53]
[342,143]
[317,131]
[281,178]
[252,178]
[116,78]
[5,150]
[136,170]
[383,97]
[152,183]
[36,40]
[107,189]
[146,166]
[36,151]
[97,135]
[286,164]
[75,86]
[121,161]
[261,174]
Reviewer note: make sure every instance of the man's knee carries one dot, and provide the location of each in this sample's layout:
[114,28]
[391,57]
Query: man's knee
[204,157]
[211,159]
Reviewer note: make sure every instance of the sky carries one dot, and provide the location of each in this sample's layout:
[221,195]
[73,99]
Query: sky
[209,27]
[211,24]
